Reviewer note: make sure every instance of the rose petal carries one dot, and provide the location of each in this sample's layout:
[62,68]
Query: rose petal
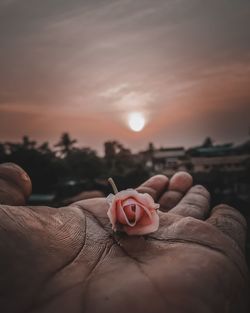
[139,229]
[125,194]
[148,201]
[146,218]
[130,211]
[125,218]
[112,214]
[129,201]
[110,198]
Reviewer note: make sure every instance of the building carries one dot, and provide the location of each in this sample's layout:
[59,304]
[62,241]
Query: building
[202,159]
[169,160]
[225,158]
[226,163]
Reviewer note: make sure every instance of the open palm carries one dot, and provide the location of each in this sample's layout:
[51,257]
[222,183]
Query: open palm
[69,260]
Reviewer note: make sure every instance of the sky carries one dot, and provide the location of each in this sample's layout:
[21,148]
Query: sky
[84,66]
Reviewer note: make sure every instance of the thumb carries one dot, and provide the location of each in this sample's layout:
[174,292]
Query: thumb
[15,184]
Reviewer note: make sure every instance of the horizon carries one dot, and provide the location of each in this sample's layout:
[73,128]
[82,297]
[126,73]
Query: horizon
[101,151]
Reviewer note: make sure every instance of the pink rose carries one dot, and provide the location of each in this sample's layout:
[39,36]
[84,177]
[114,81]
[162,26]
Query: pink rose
[133,212]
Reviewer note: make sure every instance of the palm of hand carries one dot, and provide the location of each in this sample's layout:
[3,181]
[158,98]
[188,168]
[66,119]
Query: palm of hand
[73,263]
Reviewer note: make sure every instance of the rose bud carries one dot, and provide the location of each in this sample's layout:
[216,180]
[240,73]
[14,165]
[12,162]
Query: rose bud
[132,212]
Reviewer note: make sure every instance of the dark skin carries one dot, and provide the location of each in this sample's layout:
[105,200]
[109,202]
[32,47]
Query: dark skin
[69,260]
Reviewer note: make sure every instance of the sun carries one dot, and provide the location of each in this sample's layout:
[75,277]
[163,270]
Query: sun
[136,122]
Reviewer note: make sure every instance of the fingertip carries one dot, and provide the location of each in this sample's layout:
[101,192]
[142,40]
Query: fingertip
[159,179]
[18,176]
[202,191]
[155,186]
[181,181]
[14,177]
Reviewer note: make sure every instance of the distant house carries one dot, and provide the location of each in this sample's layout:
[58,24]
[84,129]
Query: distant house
[169,160]
[243,148]
[202,159]
[226,158]
[228,163]
[211,151]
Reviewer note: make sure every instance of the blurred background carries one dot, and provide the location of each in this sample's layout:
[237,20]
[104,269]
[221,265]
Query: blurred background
[128,89]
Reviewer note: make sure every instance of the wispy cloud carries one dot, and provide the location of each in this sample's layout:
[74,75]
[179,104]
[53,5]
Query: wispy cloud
[93,57]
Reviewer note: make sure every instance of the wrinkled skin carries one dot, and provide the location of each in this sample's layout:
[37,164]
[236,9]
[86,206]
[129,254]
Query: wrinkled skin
[68,259]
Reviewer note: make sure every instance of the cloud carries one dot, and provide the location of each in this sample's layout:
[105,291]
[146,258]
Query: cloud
[91,58]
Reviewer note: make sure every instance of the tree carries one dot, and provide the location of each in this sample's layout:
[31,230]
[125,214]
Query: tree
[83,164]
[151,148]
[66,144]
[27,143]
[118,159]
[208,142]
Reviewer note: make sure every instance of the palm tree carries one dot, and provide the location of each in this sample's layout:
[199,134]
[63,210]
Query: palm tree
[65,144]
[27,143]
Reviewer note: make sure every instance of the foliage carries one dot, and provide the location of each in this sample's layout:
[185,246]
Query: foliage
[51,167]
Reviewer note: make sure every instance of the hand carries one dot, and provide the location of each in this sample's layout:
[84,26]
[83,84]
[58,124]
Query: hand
[68,260]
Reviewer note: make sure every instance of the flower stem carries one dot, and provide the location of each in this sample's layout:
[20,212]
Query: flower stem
[113,185]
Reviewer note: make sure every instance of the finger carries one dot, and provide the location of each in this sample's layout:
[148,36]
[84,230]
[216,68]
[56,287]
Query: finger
[230,222]
[154,186]
[15,184]
[179,184]
[195,203]
[98,207]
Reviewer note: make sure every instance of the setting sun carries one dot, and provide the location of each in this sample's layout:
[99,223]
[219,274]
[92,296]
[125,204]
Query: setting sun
[136,121]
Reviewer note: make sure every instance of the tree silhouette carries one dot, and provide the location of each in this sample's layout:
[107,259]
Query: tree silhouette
[27,143]
[208,142]
[83,164]
[65,144]
[114,153]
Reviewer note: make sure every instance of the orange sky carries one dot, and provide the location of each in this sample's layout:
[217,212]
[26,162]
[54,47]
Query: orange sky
[83,66]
